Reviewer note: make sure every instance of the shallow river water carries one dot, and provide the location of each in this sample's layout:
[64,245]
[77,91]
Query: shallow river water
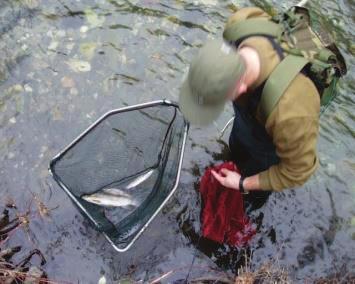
[65,63]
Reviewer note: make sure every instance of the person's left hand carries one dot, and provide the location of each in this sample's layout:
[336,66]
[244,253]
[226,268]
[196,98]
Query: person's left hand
[228,178]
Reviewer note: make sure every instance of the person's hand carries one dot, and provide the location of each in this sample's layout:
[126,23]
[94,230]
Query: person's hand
[227,178]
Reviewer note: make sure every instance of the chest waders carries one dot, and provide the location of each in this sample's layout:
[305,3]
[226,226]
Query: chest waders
[252,148]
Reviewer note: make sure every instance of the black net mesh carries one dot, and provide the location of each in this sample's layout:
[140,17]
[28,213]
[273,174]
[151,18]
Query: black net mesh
[124,167]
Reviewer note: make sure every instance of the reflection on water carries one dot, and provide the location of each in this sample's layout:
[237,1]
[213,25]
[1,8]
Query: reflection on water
[65,63]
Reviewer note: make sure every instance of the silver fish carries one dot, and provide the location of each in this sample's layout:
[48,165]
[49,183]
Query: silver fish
[140,179]
[111,197]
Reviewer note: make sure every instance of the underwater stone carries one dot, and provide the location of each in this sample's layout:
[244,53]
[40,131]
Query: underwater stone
[28,88]
[79,65]
[67,82]
[84,29]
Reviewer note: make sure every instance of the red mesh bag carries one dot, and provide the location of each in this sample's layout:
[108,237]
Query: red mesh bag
[223,218]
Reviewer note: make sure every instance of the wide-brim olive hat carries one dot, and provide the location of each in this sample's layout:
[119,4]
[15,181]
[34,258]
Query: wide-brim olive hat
[212,74]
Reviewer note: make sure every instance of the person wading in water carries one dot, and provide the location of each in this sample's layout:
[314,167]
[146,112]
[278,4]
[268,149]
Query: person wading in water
[276,93]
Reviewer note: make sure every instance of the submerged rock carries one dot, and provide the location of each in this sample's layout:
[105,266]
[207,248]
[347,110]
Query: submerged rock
[88,49]
[94,19]
[79,65]
[34,276]
[67,82]
[53,45]
[31,4]
[352,49]
[84,29]
[102,280]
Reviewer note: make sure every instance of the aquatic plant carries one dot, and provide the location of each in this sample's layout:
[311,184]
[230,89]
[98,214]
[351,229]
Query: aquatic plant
[23,271]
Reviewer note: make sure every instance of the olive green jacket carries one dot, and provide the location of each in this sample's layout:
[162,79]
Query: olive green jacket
[294,122]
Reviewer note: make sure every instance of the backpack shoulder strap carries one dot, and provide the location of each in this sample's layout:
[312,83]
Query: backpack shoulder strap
[278,81]
[251,27]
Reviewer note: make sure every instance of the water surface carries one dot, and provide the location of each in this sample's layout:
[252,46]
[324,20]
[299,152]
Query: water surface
[65,63]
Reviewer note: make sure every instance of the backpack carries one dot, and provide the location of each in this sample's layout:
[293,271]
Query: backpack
[305,49]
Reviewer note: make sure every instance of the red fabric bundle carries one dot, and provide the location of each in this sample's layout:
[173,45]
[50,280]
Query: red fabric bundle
[223,218]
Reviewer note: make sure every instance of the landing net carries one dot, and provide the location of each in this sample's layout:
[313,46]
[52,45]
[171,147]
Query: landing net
[122,170]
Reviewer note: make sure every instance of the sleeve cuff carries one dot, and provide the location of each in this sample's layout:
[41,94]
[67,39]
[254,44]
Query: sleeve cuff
[264,180]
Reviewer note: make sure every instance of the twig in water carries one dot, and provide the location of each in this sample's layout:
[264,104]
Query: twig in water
[162,277]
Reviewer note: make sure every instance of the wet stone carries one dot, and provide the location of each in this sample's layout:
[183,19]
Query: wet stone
[70,46]
[31,4]
[34,275]
[331,169]
[50,33]
[352,49]
[44,149]
[88,49]
[102,280]
[74,91]
[67,82]
[79,65]
[3,73]
[28,88]
[11,155]
[16,89]
[84,29]
[61,33]
[56,114]
[24,47]
[93,18]
[53,45]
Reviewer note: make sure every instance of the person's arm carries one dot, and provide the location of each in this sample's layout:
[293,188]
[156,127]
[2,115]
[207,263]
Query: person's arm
[296,147]
[295,143]
[293,126]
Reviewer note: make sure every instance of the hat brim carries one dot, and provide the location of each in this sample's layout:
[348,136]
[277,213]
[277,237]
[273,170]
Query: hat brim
[194,112]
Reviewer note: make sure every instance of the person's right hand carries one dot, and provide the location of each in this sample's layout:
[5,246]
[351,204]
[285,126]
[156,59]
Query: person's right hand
[227,178]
